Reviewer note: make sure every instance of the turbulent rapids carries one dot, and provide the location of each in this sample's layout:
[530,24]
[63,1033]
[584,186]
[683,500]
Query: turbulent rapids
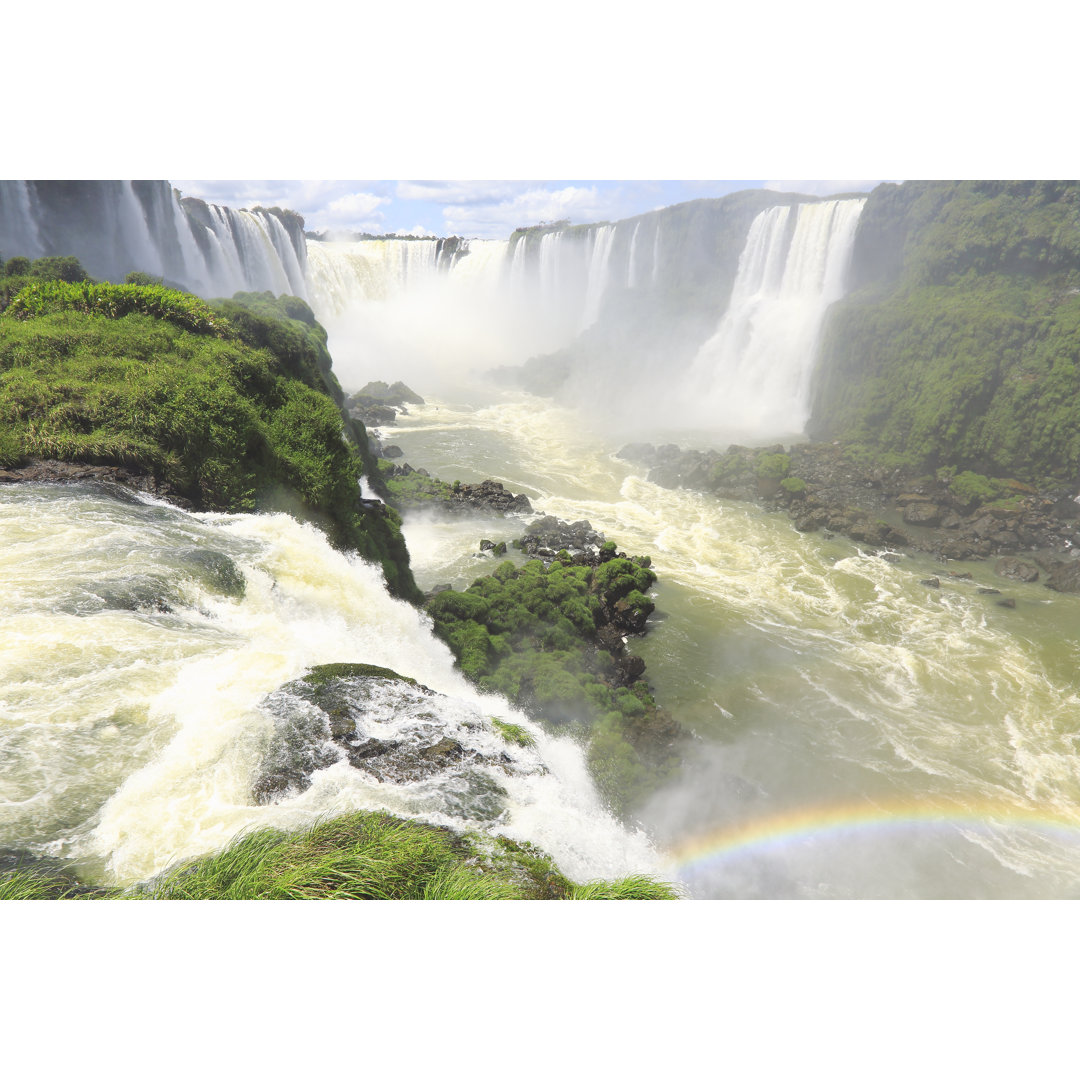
[138,681]
[860,734]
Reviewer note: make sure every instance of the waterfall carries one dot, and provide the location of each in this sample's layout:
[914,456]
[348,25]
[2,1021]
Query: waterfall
[751,379]
[395,309]
[346,274]
[631,278]
[116,226]
[599,260]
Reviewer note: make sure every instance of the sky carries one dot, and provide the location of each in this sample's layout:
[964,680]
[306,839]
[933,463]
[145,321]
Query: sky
[488,210]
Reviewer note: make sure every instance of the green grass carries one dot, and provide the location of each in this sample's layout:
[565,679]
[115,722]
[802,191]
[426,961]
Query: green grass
[23,883]
[374,856]
[636,887]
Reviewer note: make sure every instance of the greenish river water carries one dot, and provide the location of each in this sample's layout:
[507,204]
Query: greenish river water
[859,734]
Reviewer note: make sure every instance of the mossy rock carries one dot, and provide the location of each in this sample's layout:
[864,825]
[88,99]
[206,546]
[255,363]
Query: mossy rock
[322,674]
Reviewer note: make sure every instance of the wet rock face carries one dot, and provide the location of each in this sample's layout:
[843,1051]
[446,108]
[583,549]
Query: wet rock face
[489,496]
[549,535]
[1015,569]
[118,480]
[1064,576]
[438,752]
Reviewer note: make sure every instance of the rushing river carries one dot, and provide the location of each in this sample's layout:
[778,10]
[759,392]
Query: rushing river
[858,733]
[142,647]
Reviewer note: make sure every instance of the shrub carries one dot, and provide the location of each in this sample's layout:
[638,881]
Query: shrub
[773,466]
[18,266]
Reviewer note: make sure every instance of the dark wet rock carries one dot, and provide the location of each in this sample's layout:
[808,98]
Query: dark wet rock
[489,496]
[923,512]
[964,575]
[890,556]
[442,752]
[549,535]
[300,745]
[392,451]
[487,545]
[932,582]
[1064,576]
[379,722]
[1015,569]
[371,413]
[984,591]
[369,748]
[1008,602]
[118,480]
[216,570]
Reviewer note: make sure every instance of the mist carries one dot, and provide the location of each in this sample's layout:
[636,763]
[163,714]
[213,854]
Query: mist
[648,329]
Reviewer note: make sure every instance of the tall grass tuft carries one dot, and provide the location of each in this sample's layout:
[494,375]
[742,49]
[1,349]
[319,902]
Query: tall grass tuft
[363,856]
[635,887]
[22,883]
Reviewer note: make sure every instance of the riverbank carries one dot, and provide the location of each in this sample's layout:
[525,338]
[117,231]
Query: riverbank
[948,515]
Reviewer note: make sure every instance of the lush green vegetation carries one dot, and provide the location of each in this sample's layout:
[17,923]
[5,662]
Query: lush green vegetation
[531,634]
[412,488]
[359,856]
[230,405]
[19,271]
[961,345]
[512,733]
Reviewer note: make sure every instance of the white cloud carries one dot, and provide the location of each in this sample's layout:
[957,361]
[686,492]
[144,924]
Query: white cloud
[458,193]
[529,207]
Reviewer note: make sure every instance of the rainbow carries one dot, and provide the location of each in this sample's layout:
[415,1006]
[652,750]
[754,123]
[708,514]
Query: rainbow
[839,820]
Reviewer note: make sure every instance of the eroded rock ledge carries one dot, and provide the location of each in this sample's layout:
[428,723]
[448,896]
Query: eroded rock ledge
[38,471]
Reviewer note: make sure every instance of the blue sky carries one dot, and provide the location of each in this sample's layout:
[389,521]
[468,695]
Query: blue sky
[485,209]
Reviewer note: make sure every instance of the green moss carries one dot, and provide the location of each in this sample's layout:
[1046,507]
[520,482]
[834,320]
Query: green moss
[319,676]
[973,489]
[773,466]
[793,485]
[530,634]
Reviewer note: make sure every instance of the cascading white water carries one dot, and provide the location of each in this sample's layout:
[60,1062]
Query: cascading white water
[751,379]
[391,306]
[598,274]
[115,227]
[134,710]
[631,276]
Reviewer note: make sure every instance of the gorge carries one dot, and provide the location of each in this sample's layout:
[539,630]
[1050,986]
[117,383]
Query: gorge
[853,731]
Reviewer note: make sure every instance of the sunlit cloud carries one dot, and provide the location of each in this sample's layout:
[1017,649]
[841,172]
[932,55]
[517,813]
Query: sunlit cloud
[458,193]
